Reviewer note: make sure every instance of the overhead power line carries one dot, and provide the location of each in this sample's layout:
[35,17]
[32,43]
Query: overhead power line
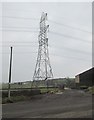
[76,28]
[71,49]
[14,17]
[17,46]
[68,36]
[23,42]
[18,27]
[18,52]
[72,27]
[18,30]
[51,54]
[71,57]
[55,33]
[65,48]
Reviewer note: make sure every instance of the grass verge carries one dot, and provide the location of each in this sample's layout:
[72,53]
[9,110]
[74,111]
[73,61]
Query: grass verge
[49,90]
[15,99]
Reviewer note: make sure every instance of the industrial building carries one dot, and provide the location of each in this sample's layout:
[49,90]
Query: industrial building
[85,78]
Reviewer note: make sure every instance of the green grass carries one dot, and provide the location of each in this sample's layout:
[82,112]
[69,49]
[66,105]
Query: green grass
[15,99]
[5,85]
[50,90]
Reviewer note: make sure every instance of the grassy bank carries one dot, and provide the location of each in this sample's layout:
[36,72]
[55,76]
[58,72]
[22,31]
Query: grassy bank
[14,99]
[49,90]
[19,96]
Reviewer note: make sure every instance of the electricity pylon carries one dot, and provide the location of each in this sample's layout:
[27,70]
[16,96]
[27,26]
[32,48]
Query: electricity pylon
[43,69]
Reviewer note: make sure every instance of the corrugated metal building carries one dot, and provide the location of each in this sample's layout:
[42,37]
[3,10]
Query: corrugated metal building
[85,78]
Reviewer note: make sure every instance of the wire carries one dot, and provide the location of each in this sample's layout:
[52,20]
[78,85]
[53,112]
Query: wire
[18,46]
[24,42]
[69,26]
[70,49]
[68,36]
[55,33]
[76,28]
[19,17]
[71,57]
[18,27]
[18,52]
[19,31]
[65,48]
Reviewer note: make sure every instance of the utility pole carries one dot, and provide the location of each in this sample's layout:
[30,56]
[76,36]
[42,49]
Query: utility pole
[43,69]
[10,73]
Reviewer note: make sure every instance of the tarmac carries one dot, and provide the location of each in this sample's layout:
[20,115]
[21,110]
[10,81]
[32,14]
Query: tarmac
[67,104]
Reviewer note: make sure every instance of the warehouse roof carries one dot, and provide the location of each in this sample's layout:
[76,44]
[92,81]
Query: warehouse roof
[91,69]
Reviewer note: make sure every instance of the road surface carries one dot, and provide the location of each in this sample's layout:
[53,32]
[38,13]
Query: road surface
[69,104]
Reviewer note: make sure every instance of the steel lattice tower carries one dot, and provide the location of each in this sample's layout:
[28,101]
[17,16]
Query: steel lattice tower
[43,69]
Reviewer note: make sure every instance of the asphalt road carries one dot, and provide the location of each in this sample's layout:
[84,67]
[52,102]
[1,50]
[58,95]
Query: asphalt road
[69,104]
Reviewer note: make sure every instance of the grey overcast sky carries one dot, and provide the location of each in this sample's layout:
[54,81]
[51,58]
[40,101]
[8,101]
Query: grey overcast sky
[70,38]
